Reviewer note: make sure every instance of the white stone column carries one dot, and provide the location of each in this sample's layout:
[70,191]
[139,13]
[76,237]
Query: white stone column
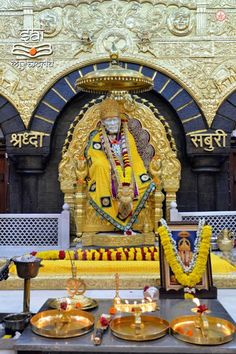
[28,14]
[201,17]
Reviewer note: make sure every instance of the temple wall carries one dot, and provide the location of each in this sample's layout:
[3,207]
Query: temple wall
[188,47]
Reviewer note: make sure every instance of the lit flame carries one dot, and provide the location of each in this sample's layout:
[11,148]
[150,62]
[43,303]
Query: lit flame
[149,299]
[196,301]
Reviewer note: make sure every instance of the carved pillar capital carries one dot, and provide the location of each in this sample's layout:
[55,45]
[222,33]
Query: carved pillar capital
[207,163]
[29,164]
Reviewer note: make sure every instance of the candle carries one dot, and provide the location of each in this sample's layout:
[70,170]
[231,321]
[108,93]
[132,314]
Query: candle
[196,301]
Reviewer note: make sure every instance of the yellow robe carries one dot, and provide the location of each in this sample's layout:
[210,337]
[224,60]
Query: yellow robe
[99,182]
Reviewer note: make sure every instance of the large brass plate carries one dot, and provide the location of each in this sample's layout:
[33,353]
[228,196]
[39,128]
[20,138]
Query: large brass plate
[52,324]
[151,328]
[218,331]
[86,303]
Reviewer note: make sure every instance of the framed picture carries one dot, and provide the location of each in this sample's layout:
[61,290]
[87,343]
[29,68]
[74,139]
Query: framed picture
[184,236]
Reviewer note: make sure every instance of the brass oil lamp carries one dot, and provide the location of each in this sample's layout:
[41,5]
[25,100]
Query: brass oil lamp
[27,268]
[136,326]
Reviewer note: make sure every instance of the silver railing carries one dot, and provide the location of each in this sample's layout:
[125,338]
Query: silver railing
[219,220]
[23,233]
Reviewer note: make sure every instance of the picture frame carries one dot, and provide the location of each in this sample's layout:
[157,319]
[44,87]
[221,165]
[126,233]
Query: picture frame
[184,235]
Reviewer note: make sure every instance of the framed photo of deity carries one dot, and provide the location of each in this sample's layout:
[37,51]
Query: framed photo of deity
[185,265]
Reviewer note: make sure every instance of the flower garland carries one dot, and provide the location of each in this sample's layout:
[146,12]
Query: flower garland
[123,173]
[194,274]
[102,254]
[197,241]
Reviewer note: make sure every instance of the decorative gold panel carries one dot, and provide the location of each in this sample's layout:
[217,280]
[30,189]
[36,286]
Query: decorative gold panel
[191,41]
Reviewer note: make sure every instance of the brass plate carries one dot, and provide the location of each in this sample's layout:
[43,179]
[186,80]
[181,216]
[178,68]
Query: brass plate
[151,328]
[50,323]
[88,304]
[219,331]
[92,305]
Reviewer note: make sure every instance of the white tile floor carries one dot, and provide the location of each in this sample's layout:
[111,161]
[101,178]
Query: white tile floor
[12,300]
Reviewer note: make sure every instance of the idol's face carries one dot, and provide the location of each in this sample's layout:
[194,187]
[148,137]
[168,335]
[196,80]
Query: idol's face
[112,125]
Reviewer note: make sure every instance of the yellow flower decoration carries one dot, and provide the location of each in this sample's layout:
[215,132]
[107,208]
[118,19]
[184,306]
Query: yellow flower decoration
[133,253]
[193,277]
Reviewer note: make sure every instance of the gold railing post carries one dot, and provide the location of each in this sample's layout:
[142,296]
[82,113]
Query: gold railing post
[80,207]
[158,211]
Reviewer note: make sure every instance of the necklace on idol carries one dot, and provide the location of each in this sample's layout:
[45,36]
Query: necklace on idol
[115,146]
[113,139]
[118,155]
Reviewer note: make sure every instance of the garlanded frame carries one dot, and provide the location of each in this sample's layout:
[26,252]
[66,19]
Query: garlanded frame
[170,288]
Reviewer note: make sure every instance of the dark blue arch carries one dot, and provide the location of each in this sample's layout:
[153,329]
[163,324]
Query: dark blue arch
[64,90]
[225,117]
[10,119]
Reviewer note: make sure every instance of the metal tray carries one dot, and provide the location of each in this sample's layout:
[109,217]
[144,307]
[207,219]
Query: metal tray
[89,304]
[58,324]
[151,328]
[217,331]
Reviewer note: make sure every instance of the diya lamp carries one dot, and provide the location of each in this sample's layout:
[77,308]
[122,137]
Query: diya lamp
[147,304]
[137,326]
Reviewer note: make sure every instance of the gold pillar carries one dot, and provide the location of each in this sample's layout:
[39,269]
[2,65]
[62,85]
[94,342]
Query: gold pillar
[80,199]
[158,212]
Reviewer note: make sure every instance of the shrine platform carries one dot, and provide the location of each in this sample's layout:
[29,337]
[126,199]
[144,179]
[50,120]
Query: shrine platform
[100,274]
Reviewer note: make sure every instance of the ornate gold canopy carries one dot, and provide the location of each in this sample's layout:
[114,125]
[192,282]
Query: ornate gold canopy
[114,78]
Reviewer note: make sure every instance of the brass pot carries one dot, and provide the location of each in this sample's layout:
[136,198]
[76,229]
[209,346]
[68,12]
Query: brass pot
[225,240]
[27,270]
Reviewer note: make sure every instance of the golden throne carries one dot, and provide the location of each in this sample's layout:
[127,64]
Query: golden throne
[156,146]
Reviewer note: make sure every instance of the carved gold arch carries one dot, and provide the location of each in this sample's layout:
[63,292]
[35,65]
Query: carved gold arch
[73,170]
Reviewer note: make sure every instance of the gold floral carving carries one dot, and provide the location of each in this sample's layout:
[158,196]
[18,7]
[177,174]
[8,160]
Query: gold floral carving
[186,40]
[221,28]
[106,240]
[73,169]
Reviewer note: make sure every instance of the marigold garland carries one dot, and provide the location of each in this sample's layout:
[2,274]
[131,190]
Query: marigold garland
[102,254]
[192,278]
